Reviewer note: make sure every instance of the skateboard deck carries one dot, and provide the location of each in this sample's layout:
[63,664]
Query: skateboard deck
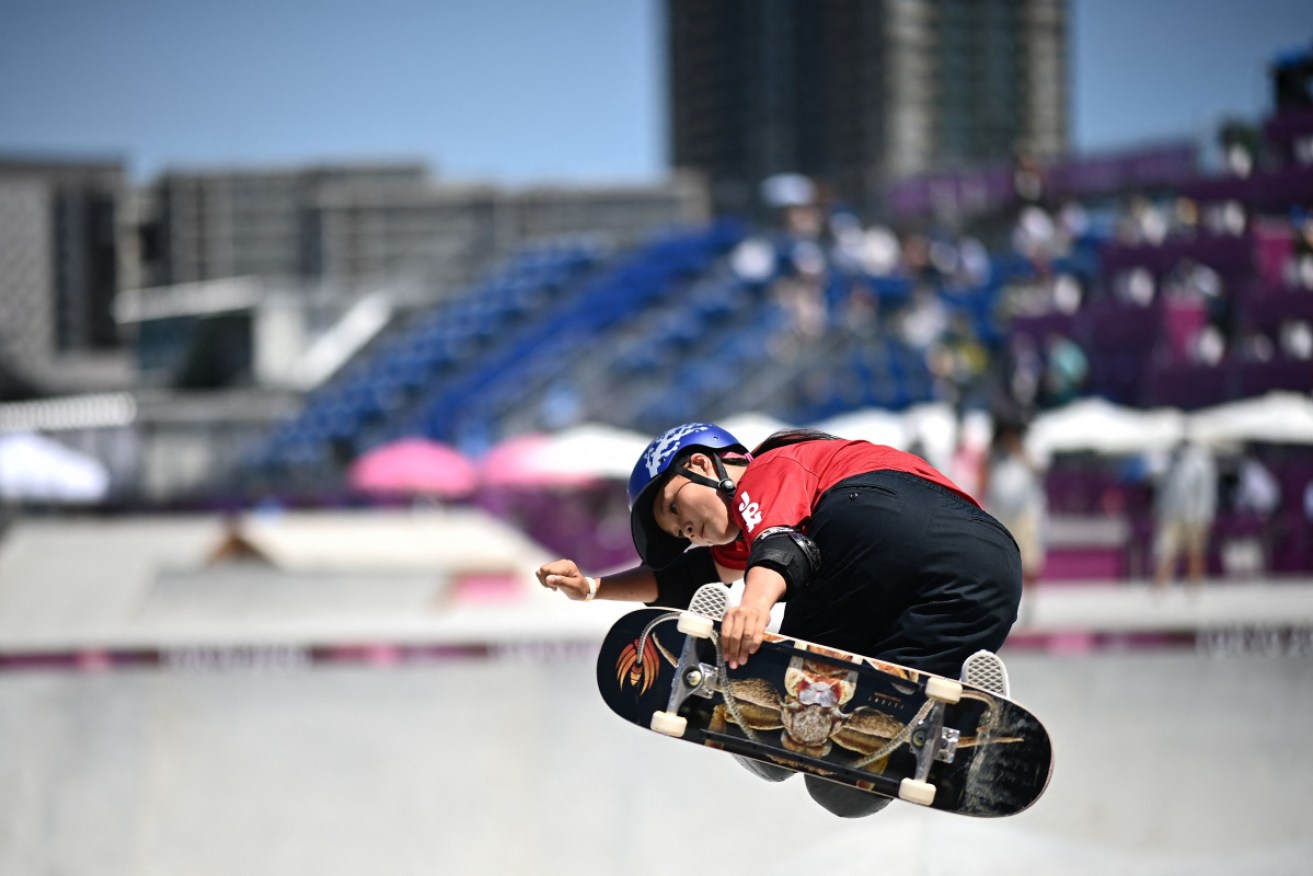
[883,728]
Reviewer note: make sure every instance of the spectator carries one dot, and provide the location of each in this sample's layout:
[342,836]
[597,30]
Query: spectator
[1065,370]
[1021,373]
[1257,491]
[1184,510]
[1012,489]
[1301,270]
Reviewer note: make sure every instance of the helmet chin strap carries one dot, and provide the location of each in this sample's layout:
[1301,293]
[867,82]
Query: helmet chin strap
[724,485]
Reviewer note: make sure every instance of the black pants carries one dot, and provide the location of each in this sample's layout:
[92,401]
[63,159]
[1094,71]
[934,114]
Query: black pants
[911,573]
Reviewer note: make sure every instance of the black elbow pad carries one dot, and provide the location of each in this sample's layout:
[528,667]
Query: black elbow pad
[789,552]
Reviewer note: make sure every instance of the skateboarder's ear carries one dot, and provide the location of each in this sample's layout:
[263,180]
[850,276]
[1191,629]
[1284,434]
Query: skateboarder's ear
[713,470]
[699,462]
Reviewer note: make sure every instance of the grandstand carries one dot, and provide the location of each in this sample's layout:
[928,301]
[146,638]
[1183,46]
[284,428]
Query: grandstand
[1163,283]
[1166,284]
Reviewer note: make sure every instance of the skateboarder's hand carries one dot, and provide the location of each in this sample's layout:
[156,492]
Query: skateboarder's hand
[741,632]
[564,576]
[744,626]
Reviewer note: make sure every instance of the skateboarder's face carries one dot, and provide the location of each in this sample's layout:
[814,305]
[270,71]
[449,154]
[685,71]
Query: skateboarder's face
[691,510]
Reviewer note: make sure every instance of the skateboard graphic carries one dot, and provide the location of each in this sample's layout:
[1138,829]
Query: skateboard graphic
[883,728]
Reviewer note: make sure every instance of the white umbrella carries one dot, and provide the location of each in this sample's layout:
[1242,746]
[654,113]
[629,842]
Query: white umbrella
[752,428]
[876,425]
[1277,418]
[33,468]
[932,432]
[1097,425]
[591,450]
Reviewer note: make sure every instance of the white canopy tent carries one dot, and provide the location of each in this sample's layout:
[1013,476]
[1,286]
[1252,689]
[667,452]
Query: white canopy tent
[928,429]
[593,450]
[869,424]
[752,428]
[1278,418]
[1099,426]
[38,469]
[1090,425]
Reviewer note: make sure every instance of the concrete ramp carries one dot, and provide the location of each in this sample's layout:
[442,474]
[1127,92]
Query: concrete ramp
[1168,762]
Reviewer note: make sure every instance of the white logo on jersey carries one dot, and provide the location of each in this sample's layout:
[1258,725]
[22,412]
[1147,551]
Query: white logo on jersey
[751,512]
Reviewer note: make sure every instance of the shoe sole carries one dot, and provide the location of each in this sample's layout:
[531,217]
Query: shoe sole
[985,670]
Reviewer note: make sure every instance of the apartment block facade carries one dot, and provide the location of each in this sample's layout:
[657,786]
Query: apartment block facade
[860,93]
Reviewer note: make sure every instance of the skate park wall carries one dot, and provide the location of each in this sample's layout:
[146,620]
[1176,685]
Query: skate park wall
[1167,761]
[458,729]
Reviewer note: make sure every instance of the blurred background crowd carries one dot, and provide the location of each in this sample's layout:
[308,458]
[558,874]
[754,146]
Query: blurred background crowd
[835,239]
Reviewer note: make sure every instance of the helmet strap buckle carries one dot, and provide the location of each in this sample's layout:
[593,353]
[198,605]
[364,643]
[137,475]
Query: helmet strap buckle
[725,485]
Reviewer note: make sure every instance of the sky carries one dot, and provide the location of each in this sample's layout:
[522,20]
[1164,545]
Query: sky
[512,91]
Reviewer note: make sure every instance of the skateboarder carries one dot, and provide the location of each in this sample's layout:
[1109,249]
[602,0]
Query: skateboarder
[872,550]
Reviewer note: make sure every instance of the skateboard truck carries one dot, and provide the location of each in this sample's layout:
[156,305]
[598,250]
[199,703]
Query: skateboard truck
[693,678]
[930,740]
[944,751]
[948,745]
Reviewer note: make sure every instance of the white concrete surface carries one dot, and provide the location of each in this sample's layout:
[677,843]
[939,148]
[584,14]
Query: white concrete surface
[1167,763]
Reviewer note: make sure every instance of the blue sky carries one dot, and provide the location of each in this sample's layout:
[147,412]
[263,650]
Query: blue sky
[511,91]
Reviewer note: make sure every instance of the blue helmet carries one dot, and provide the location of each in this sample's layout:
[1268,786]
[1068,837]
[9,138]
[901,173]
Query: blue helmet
[655,546]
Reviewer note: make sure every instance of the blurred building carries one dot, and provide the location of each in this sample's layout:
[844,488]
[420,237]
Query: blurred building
[219,223]
[858,93]
[60,267]
[1292,80]
[210,300]
[370,222]
[247,272]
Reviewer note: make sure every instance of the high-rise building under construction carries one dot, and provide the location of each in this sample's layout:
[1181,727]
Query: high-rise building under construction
[858,93]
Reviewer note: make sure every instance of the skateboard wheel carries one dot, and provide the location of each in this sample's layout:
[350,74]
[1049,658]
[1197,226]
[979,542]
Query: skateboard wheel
[943,689]
[920,793]
[696,625]
[669,724]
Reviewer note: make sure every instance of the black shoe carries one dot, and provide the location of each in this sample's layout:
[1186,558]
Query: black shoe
[844,801]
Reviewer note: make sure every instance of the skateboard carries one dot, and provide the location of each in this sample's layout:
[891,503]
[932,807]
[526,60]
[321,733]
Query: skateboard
[883,728]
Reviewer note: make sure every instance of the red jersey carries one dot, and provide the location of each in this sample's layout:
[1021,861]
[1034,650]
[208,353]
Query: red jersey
[782,486]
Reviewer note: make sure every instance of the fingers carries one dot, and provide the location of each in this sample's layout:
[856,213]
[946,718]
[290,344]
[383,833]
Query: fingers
[574,588]
[742,631]
[563,575]
[556,569]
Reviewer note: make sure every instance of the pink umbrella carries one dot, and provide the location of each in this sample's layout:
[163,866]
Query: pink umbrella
[416,466]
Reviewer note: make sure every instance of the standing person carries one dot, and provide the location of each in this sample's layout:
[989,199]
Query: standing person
[1184,509]
[872,550]
[1012,489]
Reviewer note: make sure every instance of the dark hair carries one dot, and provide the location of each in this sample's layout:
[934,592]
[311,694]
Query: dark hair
[785,437]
